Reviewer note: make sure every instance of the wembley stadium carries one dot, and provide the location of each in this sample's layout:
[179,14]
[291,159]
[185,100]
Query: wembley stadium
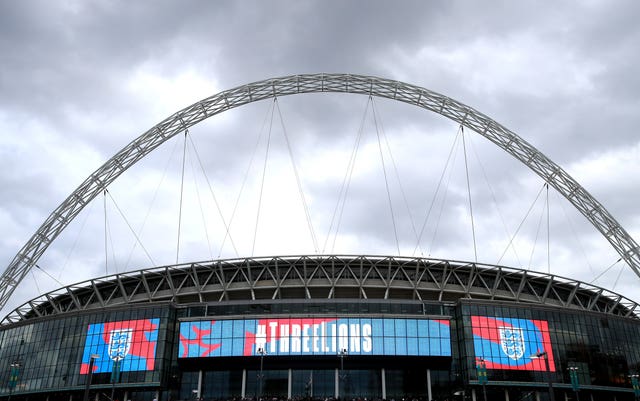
[325,326]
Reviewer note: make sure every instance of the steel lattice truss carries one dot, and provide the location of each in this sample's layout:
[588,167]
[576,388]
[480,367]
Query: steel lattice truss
[507,140]
[325,277]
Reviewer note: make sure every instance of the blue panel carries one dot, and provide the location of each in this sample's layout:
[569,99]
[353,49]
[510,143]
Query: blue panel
[401,345]
[423,346]
[434,329]
[412,328]
[238,329]
[237,346]
[445,346]
[401,327]
[434,345]
[376,325]
[389,346]
[412,346]
[227,328]
[389,328]
[216,331]
[423,328]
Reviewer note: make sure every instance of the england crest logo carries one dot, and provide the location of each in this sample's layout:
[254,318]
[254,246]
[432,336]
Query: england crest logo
[119,343]
[512,342]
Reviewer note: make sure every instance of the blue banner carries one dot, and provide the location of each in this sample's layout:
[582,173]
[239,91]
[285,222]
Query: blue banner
[315,336]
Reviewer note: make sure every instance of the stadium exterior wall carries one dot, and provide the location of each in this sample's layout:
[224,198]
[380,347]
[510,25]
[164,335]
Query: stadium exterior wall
[392,344]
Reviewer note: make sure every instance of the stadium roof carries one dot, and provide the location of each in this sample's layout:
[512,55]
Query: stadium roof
[324,277]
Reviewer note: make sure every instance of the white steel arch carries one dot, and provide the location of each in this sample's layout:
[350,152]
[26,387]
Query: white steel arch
[507,140]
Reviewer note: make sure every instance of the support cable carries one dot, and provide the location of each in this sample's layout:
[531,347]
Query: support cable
[106,253]
[215,199]
[397,174]
[130,228]
[548,233]
[444,198]
[403,193]
[108,239]
[76,239]
[493,197]
[575,234]
[184,155]
[35,281]
[615,283]
[264,173]
[50,276]
[605,271]
[153,201]
[466,167]
[244,180]
[202,214]
[535,241]
[338,211]
[435,195]
[298,182]
[521,224]
[386,180]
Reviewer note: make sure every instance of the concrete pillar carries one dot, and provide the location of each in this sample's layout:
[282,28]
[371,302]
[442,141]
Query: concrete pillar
[289,377]
[473,394]
[200,383]
[243,390]
[537,396]
[337,392]
[429,394]
[506,395]
[384,384]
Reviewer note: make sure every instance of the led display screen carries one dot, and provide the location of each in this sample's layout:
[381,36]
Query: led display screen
[130,343]
[505,343]
[315,336]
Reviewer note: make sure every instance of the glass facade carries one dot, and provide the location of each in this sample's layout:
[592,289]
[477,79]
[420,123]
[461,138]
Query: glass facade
[394,350]
[605,349]
[55,355]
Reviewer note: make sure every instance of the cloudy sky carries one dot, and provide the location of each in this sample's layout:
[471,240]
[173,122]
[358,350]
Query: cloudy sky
[81,79]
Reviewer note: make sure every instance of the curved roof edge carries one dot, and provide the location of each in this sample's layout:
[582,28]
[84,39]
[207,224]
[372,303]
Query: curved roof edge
[325,277]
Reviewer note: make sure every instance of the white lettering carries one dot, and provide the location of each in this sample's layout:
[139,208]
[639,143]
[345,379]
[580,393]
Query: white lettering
[333,338]
[295,338]
[354,334]
[305,338]
[316,338]
[284,338]
[323,329]
[272,336]
[343,336]
[367,344]
[261,336]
